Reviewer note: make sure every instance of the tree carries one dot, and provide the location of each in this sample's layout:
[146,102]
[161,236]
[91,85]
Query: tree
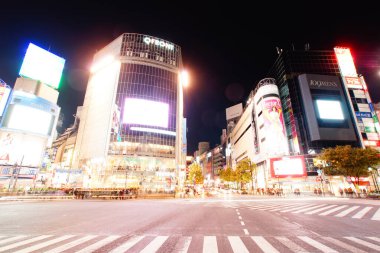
[244,171]
[227,175]
[195,174]
[349,161]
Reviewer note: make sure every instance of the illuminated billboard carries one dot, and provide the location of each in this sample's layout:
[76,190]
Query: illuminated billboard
[293,166]
[345,62]
[4,95]
[274,126]
[145,112]
[330,109]
[42,65]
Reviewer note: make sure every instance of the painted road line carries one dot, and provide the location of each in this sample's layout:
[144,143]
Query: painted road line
[210,245]
[321,209]
[317,245]
[237,244]
[264,244]
[242,223]
[99,244]
[128,244]
[18,244]
[12,239]
[44,244]
[364,243]
[185,245]
[295,208]
[154,245]
[245,231]
[376,239]
[376,216]
[72,244]
[308,209]
[362,212]
[347,211]
[343,245]
[291,245]
[333,210]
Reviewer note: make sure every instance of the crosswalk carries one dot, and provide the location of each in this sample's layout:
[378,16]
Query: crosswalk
[335,210]
[183,244]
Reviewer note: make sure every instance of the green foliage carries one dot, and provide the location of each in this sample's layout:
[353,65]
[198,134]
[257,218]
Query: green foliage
[195,174]
[244,171]
[227,175]
[349,161]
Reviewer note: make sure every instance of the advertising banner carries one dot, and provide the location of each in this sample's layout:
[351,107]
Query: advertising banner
[292,166]
[274,126]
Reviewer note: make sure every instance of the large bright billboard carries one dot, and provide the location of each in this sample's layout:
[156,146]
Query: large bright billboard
[330,109]
[42,65]
[274,126]
[293,166]
[145,112]
[345,62]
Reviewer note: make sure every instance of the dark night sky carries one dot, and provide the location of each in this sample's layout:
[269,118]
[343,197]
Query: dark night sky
[227,48]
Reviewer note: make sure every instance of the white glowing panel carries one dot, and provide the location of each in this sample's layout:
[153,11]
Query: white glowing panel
[4,95]
[25,118]
[152,130]
[288,167]
[145,112]
[42,65]
[330,109]
[345,61]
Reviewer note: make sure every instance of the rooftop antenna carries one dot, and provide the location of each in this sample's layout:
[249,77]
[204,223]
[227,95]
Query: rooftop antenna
[307,47]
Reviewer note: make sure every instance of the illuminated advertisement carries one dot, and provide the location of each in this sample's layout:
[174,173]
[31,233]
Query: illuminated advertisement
[293,166]
[329,109]
[29,113]
[25,150]
[274,126]
[4,95]
[345,61]
[42,65]
[145,112]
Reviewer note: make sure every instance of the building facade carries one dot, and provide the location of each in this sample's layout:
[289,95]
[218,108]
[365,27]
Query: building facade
[131,128]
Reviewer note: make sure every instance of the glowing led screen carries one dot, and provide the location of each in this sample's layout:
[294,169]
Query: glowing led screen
[42,65]
[345,61]
[330,109]
[30,119]
[288,166]
[145,112]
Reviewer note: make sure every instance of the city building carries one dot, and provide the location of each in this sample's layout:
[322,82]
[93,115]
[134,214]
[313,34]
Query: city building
[29,118]
[131,128]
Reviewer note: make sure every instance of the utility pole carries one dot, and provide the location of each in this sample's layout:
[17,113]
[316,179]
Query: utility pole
[17,168]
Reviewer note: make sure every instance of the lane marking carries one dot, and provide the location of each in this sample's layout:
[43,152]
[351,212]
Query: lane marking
[12,239]
[237,244]
[245,231]
[127,245]
[362,212]
[291,245]
[308,209]
[320,209]
[239,217]
[343,245]
[376,216]
[44,244]
[69,245]
[317,245]
[17,244]
[210,245]
[99,244]
[333,210]
[347,211]
[264,245]
[186,245]
[154,245]
[242,223]
[364,243]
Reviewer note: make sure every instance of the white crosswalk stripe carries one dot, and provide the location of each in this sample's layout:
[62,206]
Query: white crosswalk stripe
[12,239]
[210,245]
[71,244]
[155,244]
[362,212]
[347,211]
[316,244]
[308,209]
[343,245]
[184,244]
[44,244]
[333,210]
[295,208]
[376,216]
[18,244]
[364,243]
[320,209]
[264,244]
[237,245]
[127,245]
[291,245]
[99,244]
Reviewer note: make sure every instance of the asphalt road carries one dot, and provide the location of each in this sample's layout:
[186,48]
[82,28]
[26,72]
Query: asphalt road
[224,224]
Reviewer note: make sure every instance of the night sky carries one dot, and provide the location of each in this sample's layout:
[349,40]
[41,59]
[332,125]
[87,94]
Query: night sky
[227,48]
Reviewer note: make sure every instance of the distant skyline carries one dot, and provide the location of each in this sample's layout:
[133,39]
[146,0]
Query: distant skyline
[226,48]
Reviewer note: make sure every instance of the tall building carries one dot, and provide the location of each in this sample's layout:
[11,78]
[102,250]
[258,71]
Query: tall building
[131,128]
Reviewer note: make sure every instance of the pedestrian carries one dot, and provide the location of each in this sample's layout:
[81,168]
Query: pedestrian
[341,192]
